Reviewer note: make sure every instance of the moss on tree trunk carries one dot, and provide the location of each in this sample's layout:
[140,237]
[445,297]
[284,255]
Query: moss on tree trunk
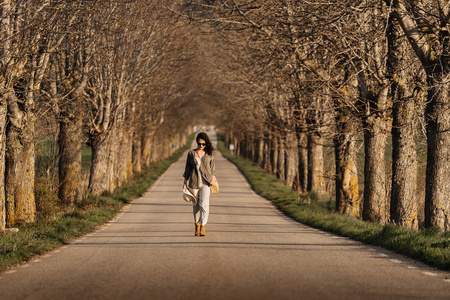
[69,143]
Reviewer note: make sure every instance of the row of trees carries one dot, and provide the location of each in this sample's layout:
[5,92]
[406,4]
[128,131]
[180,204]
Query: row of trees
[107,74]
[288,80]
[315,75]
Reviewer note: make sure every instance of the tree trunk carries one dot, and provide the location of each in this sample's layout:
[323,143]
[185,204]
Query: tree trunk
[5,30]
[3,113]
[267,148]
[69,143]
[237,147]
[123,154]
[375,202]
[281,167]
[228,138]
[437,193]
[432,50]
[347,192]
[316,179]
[404,164]
[137,151]
[243,148]
[404,132]
[20,172]
[291,158]
[252,143]
[100,178]
[303,160]
[261,152]
[275,152]
[147,142]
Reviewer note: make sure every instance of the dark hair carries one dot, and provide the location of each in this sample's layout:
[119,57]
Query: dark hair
[209,149]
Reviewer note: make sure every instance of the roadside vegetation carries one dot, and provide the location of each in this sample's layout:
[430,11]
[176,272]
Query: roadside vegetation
[58,226]
[430,246]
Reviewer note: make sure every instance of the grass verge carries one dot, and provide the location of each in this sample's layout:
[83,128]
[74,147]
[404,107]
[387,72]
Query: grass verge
[430,246]
[46,235]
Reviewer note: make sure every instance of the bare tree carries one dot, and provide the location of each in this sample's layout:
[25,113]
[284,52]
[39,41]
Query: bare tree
[404,75]
[67,79]
[26,53]
[426,26]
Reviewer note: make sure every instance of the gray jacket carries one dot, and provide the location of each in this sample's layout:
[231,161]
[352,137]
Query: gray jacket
[207,169]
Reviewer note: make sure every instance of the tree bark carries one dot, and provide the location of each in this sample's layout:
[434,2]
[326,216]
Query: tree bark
[316,179]
[261,152]
[376,206]
[100,179]
[123,152]
[347,190]
[404,164]
[237,147]
[267,148]
[252,143]
[3,114]
[68,77]
[275,151]
[147,141]
[281,165]
[429,40]
[303,160]
[404,132]
[437,193]
[20,165]
[137,153]
[291,158]
[69,143]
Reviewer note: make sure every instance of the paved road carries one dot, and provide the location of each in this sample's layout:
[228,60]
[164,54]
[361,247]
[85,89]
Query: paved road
[250,251]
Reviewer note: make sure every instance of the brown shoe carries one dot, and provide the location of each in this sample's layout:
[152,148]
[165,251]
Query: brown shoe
[202,230]
[197,229]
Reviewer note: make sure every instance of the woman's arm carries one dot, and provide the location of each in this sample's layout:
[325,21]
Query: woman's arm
[213,169]
[187,171]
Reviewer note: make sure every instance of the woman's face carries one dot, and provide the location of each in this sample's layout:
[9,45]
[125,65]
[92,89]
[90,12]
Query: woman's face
[201,144]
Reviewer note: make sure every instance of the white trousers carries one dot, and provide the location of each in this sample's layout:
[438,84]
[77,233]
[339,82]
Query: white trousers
[201,207]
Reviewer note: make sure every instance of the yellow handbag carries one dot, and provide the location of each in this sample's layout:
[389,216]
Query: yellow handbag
[215,186]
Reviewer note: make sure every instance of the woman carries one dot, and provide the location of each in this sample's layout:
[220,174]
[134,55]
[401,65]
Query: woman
[198,177]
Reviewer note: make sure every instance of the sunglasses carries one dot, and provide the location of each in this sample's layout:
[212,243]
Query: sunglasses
[201,144]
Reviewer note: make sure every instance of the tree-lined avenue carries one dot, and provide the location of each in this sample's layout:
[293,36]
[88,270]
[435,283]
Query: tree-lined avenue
[250,251]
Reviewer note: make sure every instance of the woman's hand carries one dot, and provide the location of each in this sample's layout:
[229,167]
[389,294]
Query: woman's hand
[184,186]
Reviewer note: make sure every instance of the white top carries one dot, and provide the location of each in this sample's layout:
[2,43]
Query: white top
[198,162]
[201,180]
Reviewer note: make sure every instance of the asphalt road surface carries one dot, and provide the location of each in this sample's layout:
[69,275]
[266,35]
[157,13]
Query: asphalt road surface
[250,251]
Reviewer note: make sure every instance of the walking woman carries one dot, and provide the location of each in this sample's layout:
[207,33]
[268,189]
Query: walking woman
[198,177]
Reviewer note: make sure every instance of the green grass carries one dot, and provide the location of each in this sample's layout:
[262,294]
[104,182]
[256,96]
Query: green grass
[47,153]
[430,246]
[86,156]
[87,216]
